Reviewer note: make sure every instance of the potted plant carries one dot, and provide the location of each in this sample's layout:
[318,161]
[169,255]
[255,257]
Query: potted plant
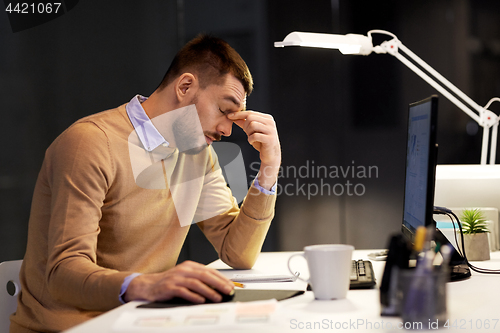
[475,232]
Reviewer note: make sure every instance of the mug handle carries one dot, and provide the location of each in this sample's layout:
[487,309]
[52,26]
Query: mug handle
[289,259]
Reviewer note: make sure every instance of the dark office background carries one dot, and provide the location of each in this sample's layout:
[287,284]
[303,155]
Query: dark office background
[331,110]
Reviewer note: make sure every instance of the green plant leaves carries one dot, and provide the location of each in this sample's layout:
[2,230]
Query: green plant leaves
[473,221]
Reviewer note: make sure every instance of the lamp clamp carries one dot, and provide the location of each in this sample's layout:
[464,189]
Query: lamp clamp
[388,46]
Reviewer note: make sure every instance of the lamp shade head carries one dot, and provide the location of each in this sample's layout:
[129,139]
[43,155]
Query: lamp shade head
[346,44]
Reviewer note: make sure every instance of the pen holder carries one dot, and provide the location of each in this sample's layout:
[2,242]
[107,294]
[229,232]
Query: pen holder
[422,297]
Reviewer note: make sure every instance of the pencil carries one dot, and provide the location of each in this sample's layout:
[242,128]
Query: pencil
[419,239]
[237,284]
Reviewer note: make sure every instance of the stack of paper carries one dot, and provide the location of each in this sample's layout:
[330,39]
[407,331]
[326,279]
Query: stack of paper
[208,317]
[264,278]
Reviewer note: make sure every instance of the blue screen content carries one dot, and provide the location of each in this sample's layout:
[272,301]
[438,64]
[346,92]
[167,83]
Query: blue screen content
[417,166]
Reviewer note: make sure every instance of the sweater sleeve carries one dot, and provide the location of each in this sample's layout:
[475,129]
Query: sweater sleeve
[238,233]
[79,170]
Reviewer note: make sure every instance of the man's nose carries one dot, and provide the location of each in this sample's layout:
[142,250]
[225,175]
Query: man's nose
[225,127]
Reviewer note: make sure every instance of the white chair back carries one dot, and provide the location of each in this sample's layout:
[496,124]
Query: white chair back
[9,289]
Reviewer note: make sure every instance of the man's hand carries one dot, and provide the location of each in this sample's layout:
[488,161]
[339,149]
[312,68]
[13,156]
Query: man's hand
[263,136]
[189,280]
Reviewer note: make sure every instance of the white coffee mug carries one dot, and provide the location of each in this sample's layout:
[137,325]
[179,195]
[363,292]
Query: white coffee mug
[329,269]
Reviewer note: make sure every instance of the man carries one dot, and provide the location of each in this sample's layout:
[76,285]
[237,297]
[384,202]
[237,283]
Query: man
[110,205]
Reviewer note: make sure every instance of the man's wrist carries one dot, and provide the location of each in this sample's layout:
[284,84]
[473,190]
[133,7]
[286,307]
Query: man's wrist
[268,176]
[125,285]
[271,191]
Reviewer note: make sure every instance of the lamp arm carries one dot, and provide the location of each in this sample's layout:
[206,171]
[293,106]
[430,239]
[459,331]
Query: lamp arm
[494,132]
[494,99]
[458,103]
[438,87]
[485,118]
[493,148]
[393,46]
[442,79]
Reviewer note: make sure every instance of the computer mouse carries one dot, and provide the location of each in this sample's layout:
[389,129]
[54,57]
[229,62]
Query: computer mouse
[225,297]
[181,301]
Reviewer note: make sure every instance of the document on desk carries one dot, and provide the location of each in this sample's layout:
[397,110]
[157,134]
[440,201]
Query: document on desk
[267,278]
[207,316]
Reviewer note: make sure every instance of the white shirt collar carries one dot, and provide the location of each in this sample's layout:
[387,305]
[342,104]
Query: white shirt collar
[146,131]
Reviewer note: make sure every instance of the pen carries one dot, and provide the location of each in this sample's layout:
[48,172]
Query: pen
[420,236]
[237,284]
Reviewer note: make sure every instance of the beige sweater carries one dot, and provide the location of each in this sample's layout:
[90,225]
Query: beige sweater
[91,225]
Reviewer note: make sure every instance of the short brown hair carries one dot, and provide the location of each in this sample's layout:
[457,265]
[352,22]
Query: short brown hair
[210,58]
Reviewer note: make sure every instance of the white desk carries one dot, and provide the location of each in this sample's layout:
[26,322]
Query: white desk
[474,302]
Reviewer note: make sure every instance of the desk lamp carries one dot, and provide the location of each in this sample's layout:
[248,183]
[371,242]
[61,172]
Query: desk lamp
[360,44]
[456,185]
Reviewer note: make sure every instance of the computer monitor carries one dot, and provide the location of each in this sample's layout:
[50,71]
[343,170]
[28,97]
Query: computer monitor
[421,155]
[421,160]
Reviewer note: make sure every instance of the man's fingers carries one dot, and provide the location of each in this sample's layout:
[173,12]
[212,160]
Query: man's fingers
[239,115]
[189,280]
[256,138]
[256,127]
[208,275]
[251,116]
[185,293]
[204,280]
[196,291]
[240,123]
[191,289]
[256,123]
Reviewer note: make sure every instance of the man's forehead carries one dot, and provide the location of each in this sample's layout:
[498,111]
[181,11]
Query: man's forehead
[239,104]
[237,91]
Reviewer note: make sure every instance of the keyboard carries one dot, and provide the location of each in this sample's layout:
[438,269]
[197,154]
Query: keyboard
[362,276]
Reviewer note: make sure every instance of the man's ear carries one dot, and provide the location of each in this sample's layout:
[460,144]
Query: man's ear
[186,86]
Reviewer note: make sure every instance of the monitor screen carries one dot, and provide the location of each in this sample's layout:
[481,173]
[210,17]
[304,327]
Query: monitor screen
[421,154]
